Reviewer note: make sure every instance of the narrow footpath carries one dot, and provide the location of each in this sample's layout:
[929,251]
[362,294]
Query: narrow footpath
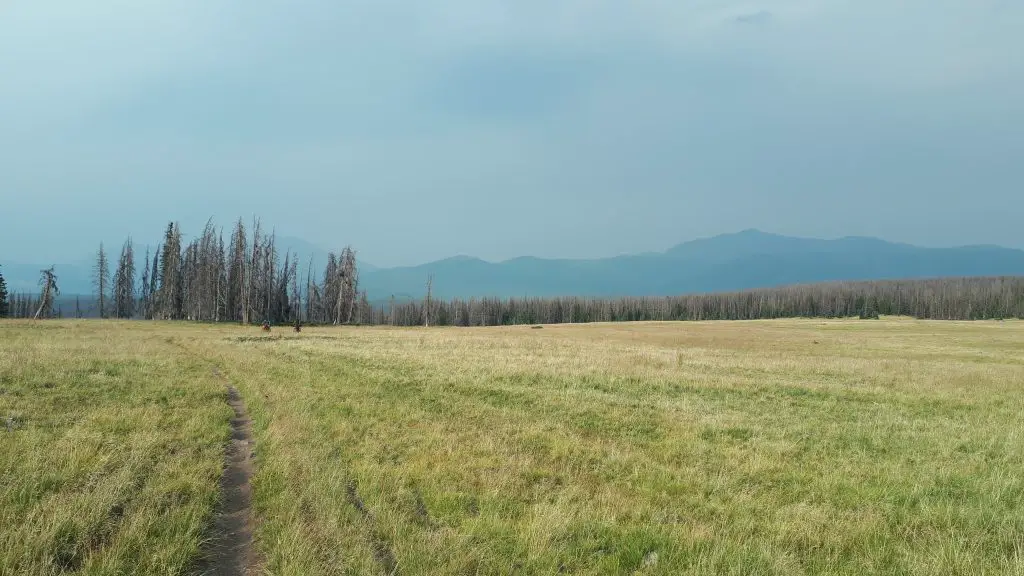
[229,550]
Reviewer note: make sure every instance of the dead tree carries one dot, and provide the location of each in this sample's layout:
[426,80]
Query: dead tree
[349,286]
[236,273]
[48,281]
[426,303]
[311,302]
[296,296]
[331,298]
[251,271]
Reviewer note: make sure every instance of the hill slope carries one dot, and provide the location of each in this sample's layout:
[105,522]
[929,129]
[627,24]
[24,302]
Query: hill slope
[748,259]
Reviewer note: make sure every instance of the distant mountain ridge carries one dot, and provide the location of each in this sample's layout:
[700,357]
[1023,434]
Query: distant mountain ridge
[737,261]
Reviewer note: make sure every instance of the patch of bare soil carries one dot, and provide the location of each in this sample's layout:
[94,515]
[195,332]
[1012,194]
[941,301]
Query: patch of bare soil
[229,549]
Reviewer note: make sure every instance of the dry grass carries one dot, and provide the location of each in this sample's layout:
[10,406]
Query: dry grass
[113,446]
[772,447]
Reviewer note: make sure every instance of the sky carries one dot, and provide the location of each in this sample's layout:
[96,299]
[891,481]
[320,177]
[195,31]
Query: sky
[561,128]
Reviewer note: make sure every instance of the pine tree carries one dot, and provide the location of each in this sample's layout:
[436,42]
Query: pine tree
[154,281]
[331,289]
[124,283]
[252,275]
[280,309]
[222,280]
[311,303]
[234,299]
[144,301]
[171,293]
[5,306]
[101,280]
[49,291]
[348,285]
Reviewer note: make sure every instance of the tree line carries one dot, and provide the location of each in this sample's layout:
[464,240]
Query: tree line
[23,305]
[243,278]
[944,298]
[5,305]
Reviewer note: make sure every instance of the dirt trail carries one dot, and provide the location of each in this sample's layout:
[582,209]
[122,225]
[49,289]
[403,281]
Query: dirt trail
[229,551]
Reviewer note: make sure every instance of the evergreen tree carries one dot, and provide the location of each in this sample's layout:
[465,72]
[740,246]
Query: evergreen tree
[101,280]
[154,281]
[144,301]
[236,268]
[124,283]
[5,306]
[171,292]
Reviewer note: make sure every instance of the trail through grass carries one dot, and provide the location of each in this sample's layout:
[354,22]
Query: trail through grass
[770,447]
[719,448]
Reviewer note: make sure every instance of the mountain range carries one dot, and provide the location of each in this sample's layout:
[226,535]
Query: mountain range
[742,260]
[747,259]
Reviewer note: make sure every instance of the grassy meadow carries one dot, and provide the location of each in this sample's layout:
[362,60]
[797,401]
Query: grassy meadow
[111,448]
[765,447]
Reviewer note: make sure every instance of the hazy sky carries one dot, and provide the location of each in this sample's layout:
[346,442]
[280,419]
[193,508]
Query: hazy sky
[419,130]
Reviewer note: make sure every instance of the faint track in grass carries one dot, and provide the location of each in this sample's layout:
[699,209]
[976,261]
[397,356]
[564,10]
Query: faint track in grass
[383,554]
[229,547]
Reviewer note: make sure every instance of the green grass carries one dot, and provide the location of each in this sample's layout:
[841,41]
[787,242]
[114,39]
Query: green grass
[770,447]
[114,453]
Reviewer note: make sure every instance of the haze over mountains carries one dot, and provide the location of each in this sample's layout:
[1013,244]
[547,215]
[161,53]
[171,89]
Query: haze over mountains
[417,131]
[747,259]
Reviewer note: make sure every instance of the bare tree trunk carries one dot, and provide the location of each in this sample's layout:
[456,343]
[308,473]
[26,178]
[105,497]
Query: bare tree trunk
[296,304]
[348,288]
[50,289]
[310,309]
[426,303]
[251,272]
[341,297]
